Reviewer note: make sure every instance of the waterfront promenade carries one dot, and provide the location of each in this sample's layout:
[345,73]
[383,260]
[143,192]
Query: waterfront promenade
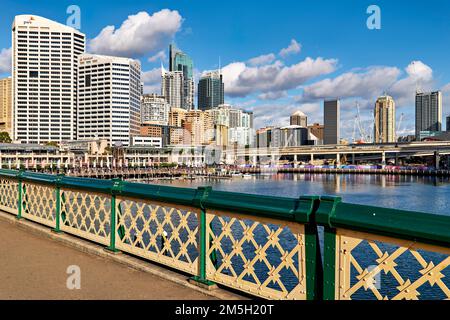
[33,266]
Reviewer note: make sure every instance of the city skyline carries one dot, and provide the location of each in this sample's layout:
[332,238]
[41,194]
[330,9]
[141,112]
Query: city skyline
[303,72]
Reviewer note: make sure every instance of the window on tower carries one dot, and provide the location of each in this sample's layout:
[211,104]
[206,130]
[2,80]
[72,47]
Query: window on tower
[87,80]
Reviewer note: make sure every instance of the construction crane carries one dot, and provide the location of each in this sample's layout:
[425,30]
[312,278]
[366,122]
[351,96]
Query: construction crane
[354,130]
[362,132]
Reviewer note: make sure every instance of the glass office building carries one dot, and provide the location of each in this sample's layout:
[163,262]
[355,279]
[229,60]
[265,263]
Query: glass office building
[179,61]
[210,91]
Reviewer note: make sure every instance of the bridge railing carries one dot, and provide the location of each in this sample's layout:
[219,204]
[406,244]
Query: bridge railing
[384,254]
[258,245]
[264,246]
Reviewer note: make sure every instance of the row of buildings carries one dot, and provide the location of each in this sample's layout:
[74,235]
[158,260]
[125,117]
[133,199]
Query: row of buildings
[428,117]
[221,126]
[298,133]
[58,92]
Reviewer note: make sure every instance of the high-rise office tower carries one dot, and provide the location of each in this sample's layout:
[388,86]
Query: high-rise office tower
[210,90]
[180,61]
[247,119]
[196,123]
[235,117]
[299,119]
[316,130]
[44,72]
[332,115]
[172,88]
[177,116]
[154,109]
[384,129]
[448,123]
[428,112]
[6,105]
[109,93]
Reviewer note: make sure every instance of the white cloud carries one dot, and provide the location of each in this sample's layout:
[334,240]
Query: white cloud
[159,56]
[263,59]
[5,61]
[139,34]
[241,80]
[156,88]
[446,88]
[366,84]
[293,48]
[273,95]
[152,80]
[371,82]
[279,114]
[419,76]
[151,76]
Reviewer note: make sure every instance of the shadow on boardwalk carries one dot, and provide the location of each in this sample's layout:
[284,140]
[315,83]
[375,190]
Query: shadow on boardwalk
[33,267]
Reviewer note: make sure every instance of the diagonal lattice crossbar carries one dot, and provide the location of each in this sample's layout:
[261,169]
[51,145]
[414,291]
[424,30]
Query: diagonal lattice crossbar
[260,257]
[39,203]
[86,214]
[158,232]
[8,195]
[403,256]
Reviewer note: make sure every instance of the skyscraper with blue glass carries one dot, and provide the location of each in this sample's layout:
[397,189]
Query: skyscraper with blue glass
[180,61]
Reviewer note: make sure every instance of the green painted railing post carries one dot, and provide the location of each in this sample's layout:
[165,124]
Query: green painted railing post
[305,213]
[200,196]
[324,215]
[329,264]
[20,194]
[115,190]
[57,228]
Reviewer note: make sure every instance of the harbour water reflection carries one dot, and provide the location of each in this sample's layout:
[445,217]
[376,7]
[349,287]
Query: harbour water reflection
[428,194]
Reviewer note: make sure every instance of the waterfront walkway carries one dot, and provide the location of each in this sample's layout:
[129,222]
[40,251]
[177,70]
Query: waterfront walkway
[34,267]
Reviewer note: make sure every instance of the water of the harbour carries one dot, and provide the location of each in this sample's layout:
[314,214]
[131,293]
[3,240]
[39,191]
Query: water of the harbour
[426,194]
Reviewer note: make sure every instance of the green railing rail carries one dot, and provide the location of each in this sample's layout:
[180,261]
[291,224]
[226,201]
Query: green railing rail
[409,225]
[262,245]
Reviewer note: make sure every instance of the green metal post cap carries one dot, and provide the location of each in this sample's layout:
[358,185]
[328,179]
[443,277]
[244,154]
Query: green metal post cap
[117,186]
[201,195]
[20,173]
[327,209]
[59,178]
[305,208]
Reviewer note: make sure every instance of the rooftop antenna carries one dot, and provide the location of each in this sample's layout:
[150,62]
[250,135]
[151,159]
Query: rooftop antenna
[399,131]
[163,71]
[418,87]
[220,66]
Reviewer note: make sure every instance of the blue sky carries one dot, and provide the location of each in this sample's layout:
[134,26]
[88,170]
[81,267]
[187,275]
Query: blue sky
[331,50]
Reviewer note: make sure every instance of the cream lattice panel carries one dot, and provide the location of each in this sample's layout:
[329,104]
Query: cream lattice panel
[399,270]
[39,203]
[86,214]
[260,257]
[154,231]
[9,195]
